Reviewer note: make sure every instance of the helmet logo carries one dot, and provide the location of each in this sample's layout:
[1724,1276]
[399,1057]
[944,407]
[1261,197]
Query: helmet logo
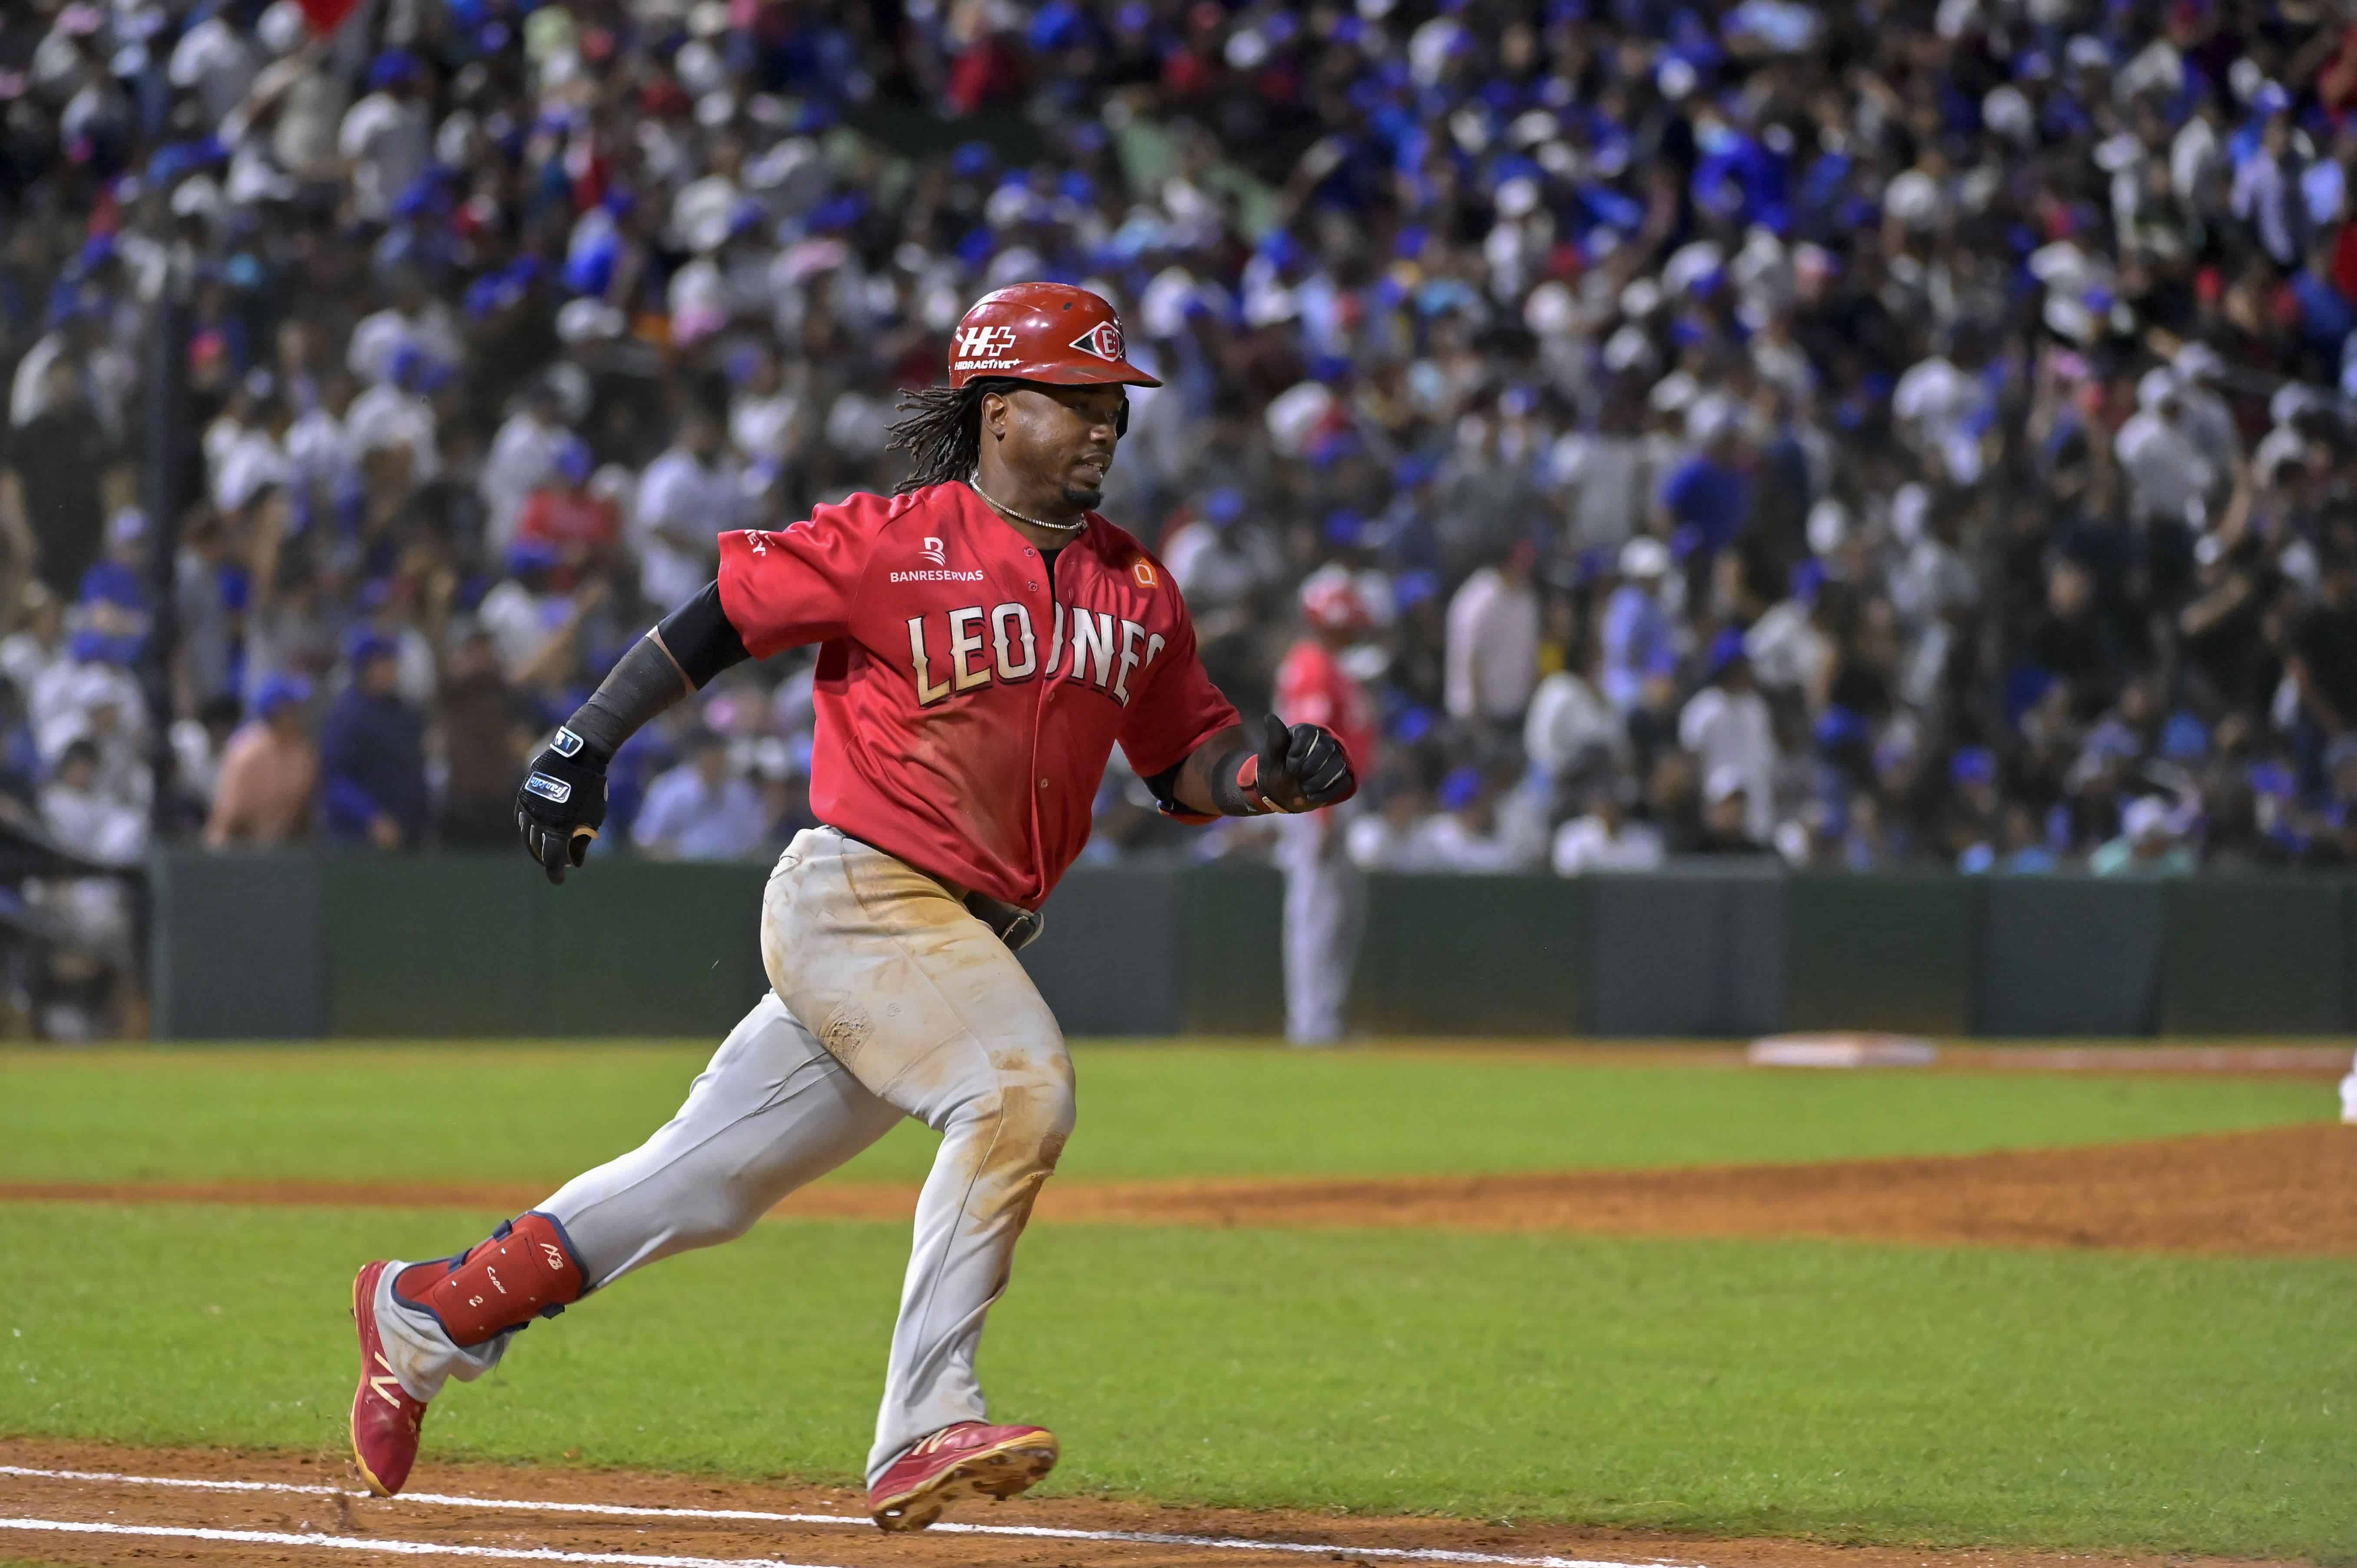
[1104,340]
[983,347]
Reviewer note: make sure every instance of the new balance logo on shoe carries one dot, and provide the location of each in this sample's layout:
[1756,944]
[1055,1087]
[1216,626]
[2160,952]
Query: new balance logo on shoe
[384,1385]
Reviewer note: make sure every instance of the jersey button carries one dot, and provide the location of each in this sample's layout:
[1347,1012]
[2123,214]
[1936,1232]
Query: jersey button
[1033,586]
[1029,552]
[1043,783]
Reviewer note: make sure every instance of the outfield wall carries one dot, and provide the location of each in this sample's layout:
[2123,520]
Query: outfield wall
[301,945]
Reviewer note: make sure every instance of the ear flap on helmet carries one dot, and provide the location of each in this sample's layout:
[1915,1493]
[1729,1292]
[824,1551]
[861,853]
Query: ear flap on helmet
[1121,420]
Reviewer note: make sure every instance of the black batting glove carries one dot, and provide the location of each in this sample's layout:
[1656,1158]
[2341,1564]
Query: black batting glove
[1301,769]
[561,803]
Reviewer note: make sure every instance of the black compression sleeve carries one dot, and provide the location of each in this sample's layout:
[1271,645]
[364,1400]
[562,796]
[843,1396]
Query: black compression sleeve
[701,638]
[690,645]
[642,684]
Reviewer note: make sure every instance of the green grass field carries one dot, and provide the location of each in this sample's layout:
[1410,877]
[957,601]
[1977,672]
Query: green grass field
[1842,1390]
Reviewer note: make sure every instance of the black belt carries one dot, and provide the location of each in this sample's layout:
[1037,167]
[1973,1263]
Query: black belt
[1013,924]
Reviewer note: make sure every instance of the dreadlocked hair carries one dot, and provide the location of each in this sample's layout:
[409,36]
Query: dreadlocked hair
[941,432]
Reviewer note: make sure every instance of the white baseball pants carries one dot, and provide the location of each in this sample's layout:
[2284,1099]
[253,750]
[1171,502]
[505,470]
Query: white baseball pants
[1325,916]
[888,1000]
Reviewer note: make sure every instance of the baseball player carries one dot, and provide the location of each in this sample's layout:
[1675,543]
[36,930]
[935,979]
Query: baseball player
[1325,893]
[985,641]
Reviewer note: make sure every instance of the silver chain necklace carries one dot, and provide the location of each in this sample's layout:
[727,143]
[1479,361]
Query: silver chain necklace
[973,482]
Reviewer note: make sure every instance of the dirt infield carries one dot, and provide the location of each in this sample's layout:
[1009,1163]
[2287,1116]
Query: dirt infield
[485,1513]
[2277,1191]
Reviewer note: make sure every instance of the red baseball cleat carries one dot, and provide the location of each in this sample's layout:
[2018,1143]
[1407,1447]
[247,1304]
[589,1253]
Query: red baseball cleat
[384,1418]
[966,1460]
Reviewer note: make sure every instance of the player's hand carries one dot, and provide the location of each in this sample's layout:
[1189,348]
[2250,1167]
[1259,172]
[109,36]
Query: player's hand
[562,804]
[1303,768]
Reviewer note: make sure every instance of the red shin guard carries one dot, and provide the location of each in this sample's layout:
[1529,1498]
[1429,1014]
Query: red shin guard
[526,1270]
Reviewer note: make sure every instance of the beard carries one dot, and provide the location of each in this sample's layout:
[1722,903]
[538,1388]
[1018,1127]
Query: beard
[1083,498]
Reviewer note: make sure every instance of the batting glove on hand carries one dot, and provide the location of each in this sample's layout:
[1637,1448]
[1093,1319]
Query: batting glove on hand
[1303,768]
[562,804]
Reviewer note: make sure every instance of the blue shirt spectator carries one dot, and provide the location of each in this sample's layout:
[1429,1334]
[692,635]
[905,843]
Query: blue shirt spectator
[1640,643]
[373,755]
[1708,498]
[697,811]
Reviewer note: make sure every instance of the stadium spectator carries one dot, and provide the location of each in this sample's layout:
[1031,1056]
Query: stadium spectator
[373,755]
[1727,728]
[1493,642]
[1975,367]
[698,811]
[485,733]
[268,783]
[1605,839]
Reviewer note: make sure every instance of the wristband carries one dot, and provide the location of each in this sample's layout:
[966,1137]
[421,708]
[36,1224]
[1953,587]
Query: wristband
[1235,785]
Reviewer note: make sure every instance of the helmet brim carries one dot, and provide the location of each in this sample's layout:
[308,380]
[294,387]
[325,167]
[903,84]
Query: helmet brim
[1094,373]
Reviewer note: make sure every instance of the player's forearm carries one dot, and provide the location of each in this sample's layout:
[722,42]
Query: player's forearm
[643,683]
[1194,787]
[675,660]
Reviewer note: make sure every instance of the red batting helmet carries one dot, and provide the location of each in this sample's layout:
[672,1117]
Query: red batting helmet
[1330,599]
[1048,332]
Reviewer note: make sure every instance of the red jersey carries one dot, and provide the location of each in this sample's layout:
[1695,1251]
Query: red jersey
[565,520]
[967,697]
[1312,688]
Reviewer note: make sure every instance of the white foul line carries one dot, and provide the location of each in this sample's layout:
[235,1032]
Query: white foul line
[1035,1532]
[391,1547]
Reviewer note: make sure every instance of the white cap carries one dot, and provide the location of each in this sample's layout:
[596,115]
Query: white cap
[585,318]
[2197,361]
[1644,556]
[1828,526]
[2146,815]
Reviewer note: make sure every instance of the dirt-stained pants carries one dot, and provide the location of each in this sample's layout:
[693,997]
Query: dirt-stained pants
[888,1000]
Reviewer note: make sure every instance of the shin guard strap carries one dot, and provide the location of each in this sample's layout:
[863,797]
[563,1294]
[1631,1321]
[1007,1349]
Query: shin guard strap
[526,1270]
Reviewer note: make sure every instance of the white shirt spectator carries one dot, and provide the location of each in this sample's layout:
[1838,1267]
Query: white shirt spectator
[95,824]
[1445,842]
[387,141]
[218,63]
[385,416]
[1571,727]
[523,456]
[98,702]
[1787,650]
[762,428]
[1604,480]
[2164,471]
[2267,196]
[1591,844]
[249,464]
[690,819]
[520,622]
[1492,657]
[681,492]
[108,375]
[25,658]
[321,456]
[378,338]
[1730,731]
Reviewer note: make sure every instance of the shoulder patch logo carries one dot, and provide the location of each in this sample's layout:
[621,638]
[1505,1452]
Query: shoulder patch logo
[931,552]
[1104,340]
[1144,571]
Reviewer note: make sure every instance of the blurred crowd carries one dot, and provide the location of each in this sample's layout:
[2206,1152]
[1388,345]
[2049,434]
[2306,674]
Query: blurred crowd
[1871,434]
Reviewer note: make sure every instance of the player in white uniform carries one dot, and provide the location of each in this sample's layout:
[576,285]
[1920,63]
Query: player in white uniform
[1325,893]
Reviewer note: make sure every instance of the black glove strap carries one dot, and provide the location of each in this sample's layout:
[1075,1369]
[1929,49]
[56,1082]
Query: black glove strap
[1230,795]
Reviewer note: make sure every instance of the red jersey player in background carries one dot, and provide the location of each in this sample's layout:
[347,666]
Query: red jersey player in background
[1325,892]
[985,641]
